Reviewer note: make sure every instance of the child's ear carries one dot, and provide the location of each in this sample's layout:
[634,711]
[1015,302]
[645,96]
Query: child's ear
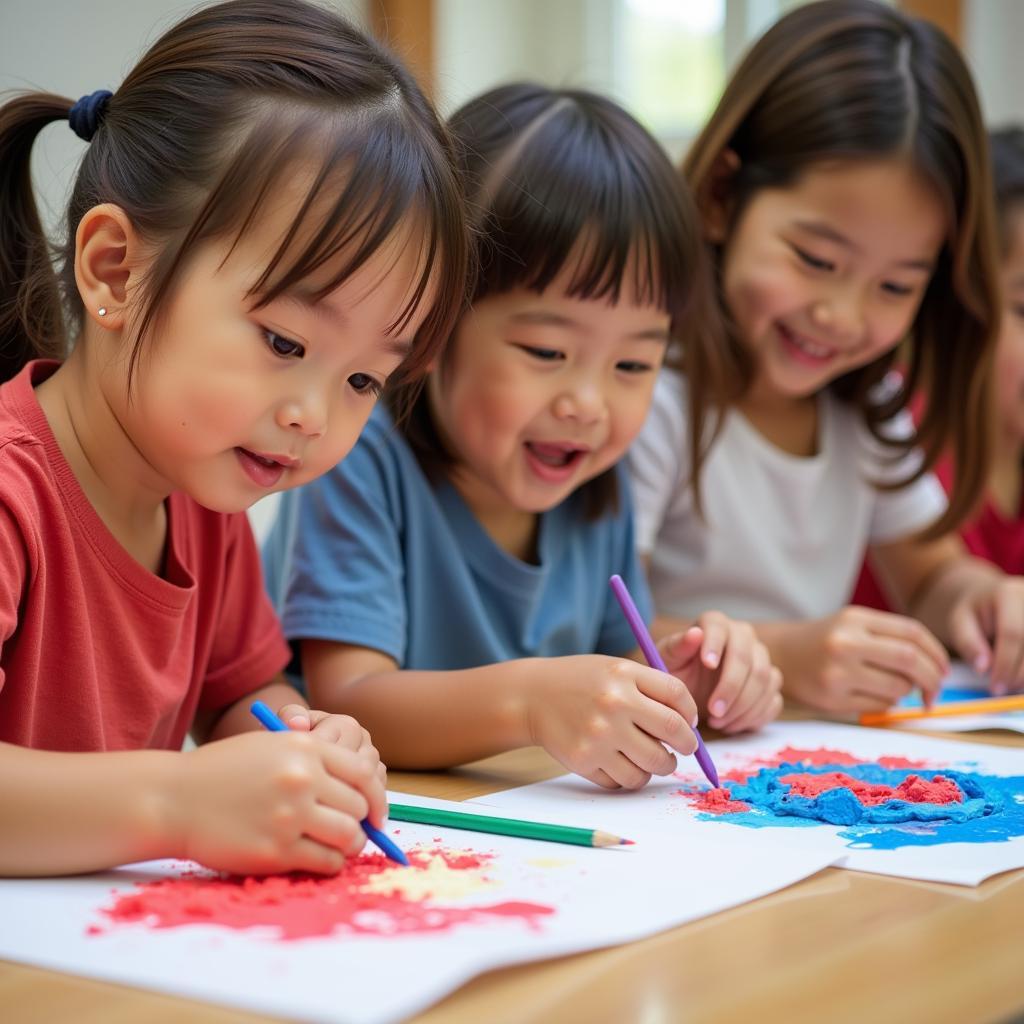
[107,263]
[716,197]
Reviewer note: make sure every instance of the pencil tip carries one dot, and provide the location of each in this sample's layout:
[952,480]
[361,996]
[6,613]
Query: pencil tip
[627,842]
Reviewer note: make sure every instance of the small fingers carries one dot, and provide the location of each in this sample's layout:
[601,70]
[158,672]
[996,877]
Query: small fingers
[314,857]
[668,690]
[358,773]
[900,658]
[901,627]
[752,688]
[296,717]
[622,771]
[716,638]
[766,708]
[666,725]
[331,828]
[601,778]
[1007,668]
[342,798]
[342,730]
[649,755]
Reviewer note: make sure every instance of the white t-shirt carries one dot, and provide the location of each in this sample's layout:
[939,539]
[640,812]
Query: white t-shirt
[783,535]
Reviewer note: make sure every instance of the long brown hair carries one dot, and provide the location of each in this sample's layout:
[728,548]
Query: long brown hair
[855,79]
[564,176]
[201,131]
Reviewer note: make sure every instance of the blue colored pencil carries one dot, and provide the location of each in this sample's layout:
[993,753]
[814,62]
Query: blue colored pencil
[270,721]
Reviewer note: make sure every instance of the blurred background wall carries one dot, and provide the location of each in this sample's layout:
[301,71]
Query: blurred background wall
[664,59]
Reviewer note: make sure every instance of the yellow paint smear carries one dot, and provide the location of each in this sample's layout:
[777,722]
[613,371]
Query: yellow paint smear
[436,881]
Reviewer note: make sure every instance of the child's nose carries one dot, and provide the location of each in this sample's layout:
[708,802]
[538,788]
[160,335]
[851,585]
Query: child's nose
[841,315]
[307,414]
[584,402]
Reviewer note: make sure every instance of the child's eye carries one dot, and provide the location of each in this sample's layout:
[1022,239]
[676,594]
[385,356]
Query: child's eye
[364,384]
[1018,311]
[813,261]
[548,355]
[282,346]
[633,366]
[899,290]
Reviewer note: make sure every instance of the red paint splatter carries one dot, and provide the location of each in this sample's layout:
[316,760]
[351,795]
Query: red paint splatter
[304,906]
[901,762]
[719,801]
[817,757]
[713,801]
[913,789]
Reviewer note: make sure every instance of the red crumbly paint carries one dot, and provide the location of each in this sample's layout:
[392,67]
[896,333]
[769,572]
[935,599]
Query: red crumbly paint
[900,762]
[305,906]
[816,757]
[913,789]
[714,801]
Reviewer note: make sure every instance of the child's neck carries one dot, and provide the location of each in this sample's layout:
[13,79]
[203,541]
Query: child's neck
[1006,477]
[105,462]
[791,424]
[512,529]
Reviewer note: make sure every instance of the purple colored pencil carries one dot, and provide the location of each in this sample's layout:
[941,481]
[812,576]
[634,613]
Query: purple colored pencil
[646,642]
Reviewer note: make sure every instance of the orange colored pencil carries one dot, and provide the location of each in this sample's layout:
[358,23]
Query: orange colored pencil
[983,705]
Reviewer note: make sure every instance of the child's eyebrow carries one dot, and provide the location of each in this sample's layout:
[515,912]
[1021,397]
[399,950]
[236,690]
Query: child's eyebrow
[336,317]
[545,319]
[829,233]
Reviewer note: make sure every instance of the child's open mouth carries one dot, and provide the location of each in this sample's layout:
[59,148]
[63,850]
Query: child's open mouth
[261,469]
[554,462]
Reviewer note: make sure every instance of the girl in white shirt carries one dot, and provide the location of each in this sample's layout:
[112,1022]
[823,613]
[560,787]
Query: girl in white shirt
[844,185]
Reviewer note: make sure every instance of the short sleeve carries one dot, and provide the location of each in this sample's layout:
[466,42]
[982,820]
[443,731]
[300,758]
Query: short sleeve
[656,459]
[248,647]
[14,563]
[616,637]
[345,569]
[903,512]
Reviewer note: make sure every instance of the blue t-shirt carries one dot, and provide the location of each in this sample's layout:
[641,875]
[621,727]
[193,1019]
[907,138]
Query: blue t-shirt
[374,554]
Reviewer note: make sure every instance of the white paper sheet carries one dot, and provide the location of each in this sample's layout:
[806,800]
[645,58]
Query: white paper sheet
[600,897]
[661,809]
[962,682]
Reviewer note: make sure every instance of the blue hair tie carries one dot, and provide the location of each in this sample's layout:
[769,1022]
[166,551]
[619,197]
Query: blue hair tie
[85,116]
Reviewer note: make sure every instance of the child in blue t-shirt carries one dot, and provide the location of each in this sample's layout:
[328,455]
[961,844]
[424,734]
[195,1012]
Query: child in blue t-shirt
[448,582]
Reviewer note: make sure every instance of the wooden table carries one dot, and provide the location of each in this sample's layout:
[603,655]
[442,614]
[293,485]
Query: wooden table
[840,946]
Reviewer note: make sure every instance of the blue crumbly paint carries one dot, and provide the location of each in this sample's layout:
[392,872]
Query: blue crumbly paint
[992,810]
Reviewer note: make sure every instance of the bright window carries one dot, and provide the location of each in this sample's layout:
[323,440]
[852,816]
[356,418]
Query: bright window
[672,62]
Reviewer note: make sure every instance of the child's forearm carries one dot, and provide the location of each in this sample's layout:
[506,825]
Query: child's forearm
[431,720]
[786,643]
[71,813]
[238,718]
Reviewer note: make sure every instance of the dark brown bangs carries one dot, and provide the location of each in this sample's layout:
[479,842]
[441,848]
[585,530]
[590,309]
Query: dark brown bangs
[374,180]
[579,183]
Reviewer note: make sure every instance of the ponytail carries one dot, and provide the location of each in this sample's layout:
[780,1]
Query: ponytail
[31,312]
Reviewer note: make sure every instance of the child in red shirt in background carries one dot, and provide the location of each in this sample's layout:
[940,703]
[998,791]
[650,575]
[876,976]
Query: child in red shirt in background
[996,533]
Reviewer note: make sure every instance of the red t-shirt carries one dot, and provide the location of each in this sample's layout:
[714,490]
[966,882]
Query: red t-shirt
[96,652]
[990,535]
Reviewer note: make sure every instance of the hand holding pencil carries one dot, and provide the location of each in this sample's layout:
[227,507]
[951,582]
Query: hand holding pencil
[609,719]
[256,803]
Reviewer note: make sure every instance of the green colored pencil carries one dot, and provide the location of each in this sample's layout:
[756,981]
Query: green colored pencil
[504,826]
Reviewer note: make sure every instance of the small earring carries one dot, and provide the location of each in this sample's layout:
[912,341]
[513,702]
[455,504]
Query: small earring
[102,311]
